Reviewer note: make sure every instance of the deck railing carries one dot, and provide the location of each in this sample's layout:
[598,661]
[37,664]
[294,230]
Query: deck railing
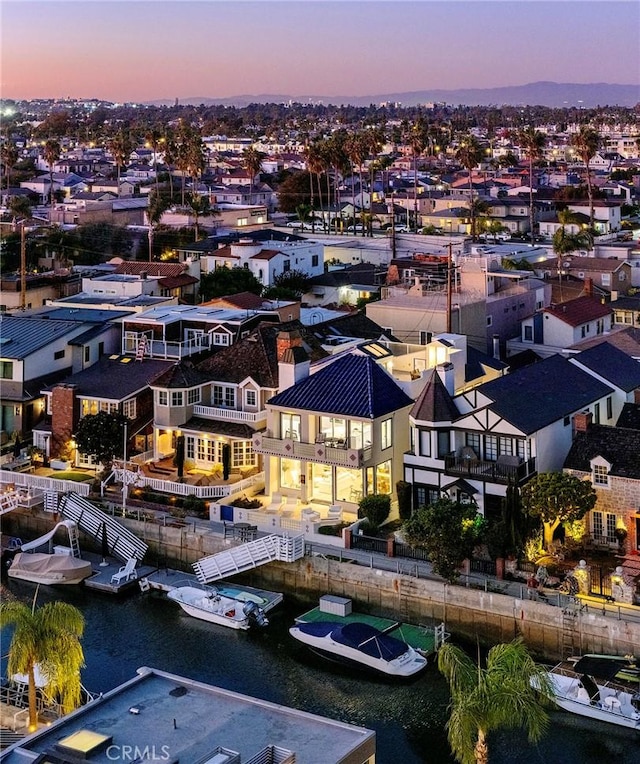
[229,415]
[493,472]
[310,452]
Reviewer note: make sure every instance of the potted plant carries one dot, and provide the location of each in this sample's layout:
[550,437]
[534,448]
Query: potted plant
[621,534]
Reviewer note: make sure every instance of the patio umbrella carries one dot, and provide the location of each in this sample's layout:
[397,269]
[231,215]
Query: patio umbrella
[105,545]
[17,447]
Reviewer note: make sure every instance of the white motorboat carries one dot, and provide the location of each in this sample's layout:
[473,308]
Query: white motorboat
[361,645]
[49,568]
[593,687]
[212,606]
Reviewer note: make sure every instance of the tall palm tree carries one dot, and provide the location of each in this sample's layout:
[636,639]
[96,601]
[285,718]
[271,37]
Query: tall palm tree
[120,148]
[252,162]
[200,205]
[9,156]
[153,139]
[532,141]
[416,137]
[47,638]
[565,242]
[315,166]
[500,695]
[196,159]
[170,155]
[586,142]
[51,154]
[158,205]
[469,154]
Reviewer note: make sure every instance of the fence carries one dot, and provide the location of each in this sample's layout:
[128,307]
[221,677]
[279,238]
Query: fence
[368,543]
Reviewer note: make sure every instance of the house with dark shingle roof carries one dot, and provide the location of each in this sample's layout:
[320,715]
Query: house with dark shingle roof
[336,435]
[509,428]
[609,456]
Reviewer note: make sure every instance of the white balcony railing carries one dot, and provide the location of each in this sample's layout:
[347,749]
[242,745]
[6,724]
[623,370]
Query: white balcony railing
[230,415]
[310,452]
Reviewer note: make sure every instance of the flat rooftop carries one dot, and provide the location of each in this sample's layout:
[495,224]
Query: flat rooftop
[192,721]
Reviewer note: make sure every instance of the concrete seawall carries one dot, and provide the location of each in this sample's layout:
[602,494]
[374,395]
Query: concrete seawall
[468,612]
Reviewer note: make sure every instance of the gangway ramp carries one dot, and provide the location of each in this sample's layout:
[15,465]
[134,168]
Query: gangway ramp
[248,556]
[122,543]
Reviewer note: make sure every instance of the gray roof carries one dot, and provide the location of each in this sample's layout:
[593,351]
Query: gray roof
[538,395]
[620,447]
[20,336]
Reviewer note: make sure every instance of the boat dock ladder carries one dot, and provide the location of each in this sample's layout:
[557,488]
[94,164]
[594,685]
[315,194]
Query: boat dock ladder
[8,502]
[248,556]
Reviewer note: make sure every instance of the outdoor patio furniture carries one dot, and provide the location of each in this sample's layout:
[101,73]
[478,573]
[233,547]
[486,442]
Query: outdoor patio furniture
[126,573]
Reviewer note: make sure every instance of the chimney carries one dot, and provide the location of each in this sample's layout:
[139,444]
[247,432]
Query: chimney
[636,396]
[582,421]
[143,275]
[65,408]
[588,287]
[293,367]
[287,340]
[496,346]
[446,372]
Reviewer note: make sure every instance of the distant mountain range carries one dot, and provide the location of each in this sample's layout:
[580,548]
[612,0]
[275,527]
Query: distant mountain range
[555,94]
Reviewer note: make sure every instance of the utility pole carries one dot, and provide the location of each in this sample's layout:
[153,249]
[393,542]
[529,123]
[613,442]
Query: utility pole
[23,268]
[449,267]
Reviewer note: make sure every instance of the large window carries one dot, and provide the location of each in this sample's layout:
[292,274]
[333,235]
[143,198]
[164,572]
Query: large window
[90,406]
[242,453]
[193,395]
[334,430]
[289,473]
[177,398]
[386,436]
[129,408]
[600,475]
[444,443]
[290,426]
[6,369]
[225,397]
[163,398]
[348,484]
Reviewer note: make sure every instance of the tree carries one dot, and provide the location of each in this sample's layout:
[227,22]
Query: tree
[200,205]
[416,137]
[556,497]
[375,507]
[502,694]
[565,242]
[586,142]
[290,285]
[8,156]
[120,148]
[153,139]
[47,638]
[20,207]
[51,153]
[101,435]
[252,161]
[294,191]
[158,205]
[469,154]
[447,530]
[532,141]
[224,281]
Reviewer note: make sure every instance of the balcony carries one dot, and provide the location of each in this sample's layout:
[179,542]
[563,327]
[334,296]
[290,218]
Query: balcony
[264,443]
[254,418]
[501,471]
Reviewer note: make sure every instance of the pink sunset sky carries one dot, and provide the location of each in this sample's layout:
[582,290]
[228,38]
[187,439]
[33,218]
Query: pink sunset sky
[142,51]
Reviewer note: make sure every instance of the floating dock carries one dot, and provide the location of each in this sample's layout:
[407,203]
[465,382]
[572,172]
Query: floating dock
[426,639]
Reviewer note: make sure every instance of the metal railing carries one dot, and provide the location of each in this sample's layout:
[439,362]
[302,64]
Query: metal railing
[494,472]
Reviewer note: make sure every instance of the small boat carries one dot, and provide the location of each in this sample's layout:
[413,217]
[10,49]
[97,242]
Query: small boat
[49,568]
[361,645]
[598,687]
[212,606]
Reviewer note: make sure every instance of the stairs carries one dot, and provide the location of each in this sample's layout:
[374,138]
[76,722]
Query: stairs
[249,556]
[8,502]
[122,543]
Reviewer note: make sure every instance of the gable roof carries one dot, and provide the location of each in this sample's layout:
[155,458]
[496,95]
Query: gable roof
[536,396]
[135,268]
[619,446]
[352,386]
[612,364]
[434,404]
[20,336]
[579,311]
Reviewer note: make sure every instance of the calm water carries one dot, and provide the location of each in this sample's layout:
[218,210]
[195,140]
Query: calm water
[122,635]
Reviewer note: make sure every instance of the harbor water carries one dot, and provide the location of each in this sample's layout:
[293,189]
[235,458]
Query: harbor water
[123,634]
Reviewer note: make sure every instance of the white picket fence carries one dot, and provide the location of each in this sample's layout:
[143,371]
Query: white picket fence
[44,484]
[139,480]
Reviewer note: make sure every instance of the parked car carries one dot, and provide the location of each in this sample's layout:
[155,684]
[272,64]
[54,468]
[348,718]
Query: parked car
[358,228]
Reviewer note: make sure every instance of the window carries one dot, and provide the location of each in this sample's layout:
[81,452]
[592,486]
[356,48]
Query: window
[129,408]
[386,436]
[425,337]
[177,398]
[286,266]
[490,448]
[489,320]
[58,355]
[221,338]
[224,397]
[600,475]
[314,261]
[290,426]
[622,276]
[609,408]
[163,398]
[6,369]
[424,496]
[596,414]
[566,421]
[444,443]
[193,395]
[528,333]
[472,440]
[605,279]
[87,353]
[425,443]
[250,398]
[242,453]
[190,448]
[505,446]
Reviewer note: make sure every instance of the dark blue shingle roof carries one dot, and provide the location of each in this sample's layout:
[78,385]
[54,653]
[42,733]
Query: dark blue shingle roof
[353,386]
[611,364]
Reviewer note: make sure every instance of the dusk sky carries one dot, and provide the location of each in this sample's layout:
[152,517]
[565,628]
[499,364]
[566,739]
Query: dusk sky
[143,51]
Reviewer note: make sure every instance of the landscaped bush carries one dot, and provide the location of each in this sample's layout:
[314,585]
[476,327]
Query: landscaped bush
[403,489]
[244,503]
[375,508]
[332,530]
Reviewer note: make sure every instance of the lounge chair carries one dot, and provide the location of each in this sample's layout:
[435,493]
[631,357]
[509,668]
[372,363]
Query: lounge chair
[288,509]
[274,507]
[126,573]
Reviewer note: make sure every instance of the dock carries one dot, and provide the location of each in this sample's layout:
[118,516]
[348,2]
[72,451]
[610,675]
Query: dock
[424,639]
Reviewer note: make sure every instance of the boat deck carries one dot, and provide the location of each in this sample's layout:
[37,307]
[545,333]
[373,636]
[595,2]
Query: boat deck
[422,638]
[166,579]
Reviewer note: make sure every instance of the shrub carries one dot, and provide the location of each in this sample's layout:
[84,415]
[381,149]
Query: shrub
[193,505]
[244,503]
[375,508]
[403,489]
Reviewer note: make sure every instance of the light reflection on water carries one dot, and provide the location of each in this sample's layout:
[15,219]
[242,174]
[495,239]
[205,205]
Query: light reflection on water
[124,634]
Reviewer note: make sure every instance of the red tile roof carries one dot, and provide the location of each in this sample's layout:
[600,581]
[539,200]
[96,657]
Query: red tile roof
[579,311]
[135,268]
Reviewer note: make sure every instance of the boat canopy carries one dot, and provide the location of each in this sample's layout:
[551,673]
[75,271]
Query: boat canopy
[603,667]
[370,641]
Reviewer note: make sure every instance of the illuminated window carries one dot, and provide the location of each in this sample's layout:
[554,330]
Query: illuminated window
[600,475]
[129,408]
[386,434]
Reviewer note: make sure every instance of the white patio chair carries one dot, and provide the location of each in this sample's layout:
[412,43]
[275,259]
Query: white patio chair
[126,573]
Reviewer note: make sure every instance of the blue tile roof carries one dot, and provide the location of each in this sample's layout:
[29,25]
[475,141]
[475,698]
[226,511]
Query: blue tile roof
[538,395]
[352,386]
[611,364]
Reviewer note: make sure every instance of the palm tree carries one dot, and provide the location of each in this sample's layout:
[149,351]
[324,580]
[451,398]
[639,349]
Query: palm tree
[469,154]
[120,148]
[158,205]
[200,205]
[153,139]
[500,695]
[532,141]
[416,137]
[252,161]
[565,242]
[47,638]
[586,142]
[9,156]
[51,153]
